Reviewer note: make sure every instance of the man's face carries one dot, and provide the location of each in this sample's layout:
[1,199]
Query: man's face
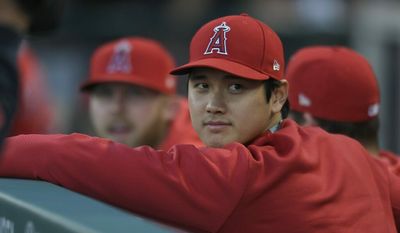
[225,108]
[128,114]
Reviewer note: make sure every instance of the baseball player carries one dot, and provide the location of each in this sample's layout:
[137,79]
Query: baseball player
[34,96]
[335,88]
[259,171]
[132,96]
[19,17]
[10,39]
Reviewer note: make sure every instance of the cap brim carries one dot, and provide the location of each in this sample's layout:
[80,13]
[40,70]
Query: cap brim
[86,86]
[228,66]
[133,80]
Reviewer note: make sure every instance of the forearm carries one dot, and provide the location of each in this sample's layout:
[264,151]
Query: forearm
[183,186]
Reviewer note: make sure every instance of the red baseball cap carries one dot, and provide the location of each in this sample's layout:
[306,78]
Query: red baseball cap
[239,45]
[132,60]
[332,83]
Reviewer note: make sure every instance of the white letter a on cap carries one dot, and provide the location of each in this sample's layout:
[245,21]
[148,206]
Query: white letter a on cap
[121,58]
[218,40]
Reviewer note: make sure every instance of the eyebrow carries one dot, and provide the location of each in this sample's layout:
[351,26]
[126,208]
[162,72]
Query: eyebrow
[196,77]
[232,77]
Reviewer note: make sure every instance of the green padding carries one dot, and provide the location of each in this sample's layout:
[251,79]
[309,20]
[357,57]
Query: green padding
[28,206]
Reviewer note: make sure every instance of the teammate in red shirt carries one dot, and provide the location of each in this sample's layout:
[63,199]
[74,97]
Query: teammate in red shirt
[18,18]
[132,96]
[335,88]
[258,173]
[34,96]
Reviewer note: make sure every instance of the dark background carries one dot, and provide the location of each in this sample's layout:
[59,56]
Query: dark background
[370,27]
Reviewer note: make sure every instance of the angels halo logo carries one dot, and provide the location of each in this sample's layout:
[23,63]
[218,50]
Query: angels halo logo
[218,40]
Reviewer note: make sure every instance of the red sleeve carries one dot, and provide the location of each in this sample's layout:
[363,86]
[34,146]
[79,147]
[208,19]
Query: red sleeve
[190,187]
[395,196]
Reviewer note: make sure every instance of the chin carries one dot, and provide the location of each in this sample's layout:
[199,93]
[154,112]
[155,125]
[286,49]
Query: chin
[216,140]
[120,140]
[215,143]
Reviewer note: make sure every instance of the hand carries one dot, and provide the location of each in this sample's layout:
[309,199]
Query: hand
[11,15]
[31,16]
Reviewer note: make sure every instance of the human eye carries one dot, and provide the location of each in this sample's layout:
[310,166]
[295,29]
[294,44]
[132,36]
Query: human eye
[201,86]
[133,93]
[199,82]
[235,88]
[137,92]
[102,91]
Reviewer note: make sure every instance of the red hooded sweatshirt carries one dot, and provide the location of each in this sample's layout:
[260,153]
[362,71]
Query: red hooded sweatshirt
[392,160]
[294,180]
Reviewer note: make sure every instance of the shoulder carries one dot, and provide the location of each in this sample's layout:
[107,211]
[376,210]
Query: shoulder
[298,143]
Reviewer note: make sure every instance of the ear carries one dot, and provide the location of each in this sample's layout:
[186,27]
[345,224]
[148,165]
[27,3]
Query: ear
[309,120]
[172,106]
[279,96]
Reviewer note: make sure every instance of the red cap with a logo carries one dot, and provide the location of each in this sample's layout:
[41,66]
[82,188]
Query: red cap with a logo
[239,45]
[332,83]
[139,61]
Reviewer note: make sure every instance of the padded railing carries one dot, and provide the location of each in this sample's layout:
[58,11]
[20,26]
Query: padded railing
[29,206]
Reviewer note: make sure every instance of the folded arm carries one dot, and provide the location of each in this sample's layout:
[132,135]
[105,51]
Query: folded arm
[190,187]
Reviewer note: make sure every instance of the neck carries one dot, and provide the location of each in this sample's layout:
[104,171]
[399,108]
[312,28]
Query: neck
[372,148]
[275,120]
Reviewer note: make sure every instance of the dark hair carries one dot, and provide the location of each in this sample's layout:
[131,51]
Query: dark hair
[366,132]
[270,85]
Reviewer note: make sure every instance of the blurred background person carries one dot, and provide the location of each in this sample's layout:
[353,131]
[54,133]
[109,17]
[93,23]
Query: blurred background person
[132,97]
[35,111]
[335,88]
[17,18]
[13,22]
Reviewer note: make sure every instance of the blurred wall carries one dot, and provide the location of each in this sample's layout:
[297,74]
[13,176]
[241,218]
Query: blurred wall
[376,34]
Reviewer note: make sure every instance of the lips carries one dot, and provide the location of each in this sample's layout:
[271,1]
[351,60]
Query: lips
[119,132]
[216,126]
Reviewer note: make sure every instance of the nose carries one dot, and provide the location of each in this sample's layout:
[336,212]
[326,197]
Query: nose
[117,103]
[216,104]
